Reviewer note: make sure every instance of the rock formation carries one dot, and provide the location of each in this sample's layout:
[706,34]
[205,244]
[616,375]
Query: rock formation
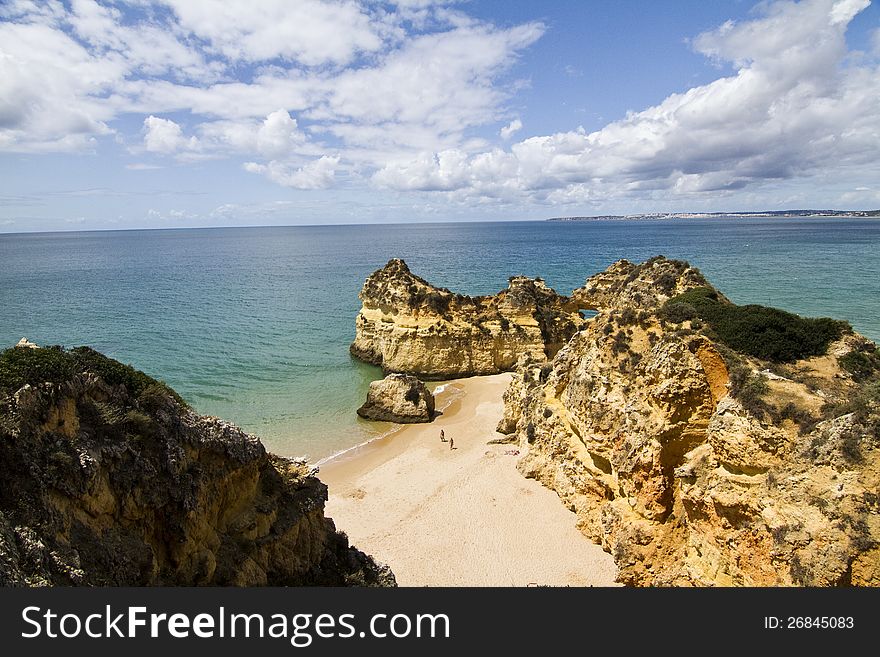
[694,463]
[110,479]
[644,286]
[398,398]
[408,325]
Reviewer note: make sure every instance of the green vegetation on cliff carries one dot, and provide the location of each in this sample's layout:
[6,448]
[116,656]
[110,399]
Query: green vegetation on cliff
[108,480]
[759,331]
[20,366]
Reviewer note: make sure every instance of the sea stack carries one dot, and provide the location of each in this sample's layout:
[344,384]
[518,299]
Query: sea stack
[408,325]
[398,398]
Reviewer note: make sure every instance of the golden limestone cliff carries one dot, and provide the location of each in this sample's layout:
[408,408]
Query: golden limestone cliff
[110,479]
[408,325]
[704,443]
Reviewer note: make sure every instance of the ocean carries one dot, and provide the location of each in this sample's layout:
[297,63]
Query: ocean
[253,324]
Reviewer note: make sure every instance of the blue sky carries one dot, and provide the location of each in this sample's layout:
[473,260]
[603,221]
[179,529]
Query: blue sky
[180,113]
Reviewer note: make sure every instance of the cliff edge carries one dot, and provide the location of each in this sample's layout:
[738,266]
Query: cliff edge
[109,479]
[407,325]
[705,443]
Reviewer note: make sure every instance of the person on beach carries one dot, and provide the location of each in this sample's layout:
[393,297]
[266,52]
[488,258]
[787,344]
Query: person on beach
[442,436]
[451,442]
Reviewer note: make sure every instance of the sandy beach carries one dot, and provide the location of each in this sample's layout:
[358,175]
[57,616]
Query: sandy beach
[463,516]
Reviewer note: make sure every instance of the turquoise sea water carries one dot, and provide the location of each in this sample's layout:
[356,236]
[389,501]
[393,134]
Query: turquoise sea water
[253,324]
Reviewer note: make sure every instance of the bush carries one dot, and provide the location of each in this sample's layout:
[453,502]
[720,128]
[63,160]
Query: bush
[860,365]
[801,417]
[864,405]
[628,316]
[438,302]
[677,312]
[620,343]
[766,333]
[749,389]
[19,366]
[667,281]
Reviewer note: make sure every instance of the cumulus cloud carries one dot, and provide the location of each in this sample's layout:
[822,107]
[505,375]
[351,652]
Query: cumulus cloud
[269,80]
[277,135]
[792,109]
[508,131]
[49,95]
[426,94]
[406,93]
[318,174]
[165,136]
[311,32]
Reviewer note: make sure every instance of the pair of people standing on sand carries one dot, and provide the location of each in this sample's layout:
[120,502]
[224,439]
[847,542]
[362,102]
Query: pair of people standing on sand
[443,439]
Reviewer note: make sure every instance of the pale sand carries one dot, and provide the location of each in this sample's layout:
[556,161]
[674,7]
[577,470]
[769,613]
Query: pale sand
[462,517]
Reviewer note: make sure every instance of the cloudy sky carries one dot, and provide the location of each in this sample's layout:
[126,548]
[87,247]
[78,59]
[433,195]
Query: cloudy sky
[168,113]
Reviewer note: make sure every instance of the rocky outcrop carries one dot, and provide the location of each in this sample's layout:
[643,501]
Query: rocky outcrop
[408,325]
[398,398]
[689,465]
[108,478]
[647,285]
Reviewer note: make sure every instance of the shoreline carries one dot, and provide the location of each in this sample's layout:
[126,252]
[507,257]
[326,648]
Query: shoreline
[459,517]
[347,453]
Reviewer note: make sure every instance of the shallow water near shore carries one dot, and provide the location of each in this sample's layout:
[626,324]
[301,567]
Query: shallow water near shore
[253,324]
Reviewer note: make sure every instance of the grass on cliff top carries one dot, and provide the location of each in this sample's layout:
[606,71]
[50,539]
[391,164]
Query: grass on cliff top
[19,366]
[766,333]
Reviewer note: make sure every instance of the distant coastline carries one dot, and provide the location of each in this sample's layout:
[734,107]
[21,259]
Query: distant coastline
[744,215]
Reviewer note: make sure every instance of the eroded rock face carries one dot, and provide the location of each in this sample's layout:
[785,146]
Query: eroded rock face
[398,398]
[104,485]
[408,325]
[634,426]
[644,286]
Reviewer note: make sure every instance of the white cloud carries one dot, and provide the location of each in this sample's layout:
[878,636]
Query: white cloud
[166,137]
[49,89]
[311,32]
[171,215]
[443,80]
[275,136]
[513,127]
[318,174]
[791,110]
[360,73]
[843,11]
[141,166]
[404,94]
[149,48]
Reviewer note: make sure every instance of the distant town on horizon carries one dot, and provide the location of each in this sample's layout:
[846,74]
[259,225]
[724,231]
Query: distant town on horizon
[697,215]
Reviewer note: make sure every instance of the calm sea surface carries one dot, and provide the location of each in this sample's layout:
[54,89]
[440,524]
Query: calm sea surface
[253,324]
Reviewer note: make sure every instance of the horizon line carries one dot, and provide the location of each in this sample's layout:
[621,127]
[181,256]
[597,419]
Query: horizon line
[657,215]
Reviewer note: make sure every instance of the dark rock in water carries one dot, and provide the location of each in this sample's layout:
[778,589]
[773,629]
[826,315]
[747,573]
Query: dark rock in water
[398,398]
[108,478]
